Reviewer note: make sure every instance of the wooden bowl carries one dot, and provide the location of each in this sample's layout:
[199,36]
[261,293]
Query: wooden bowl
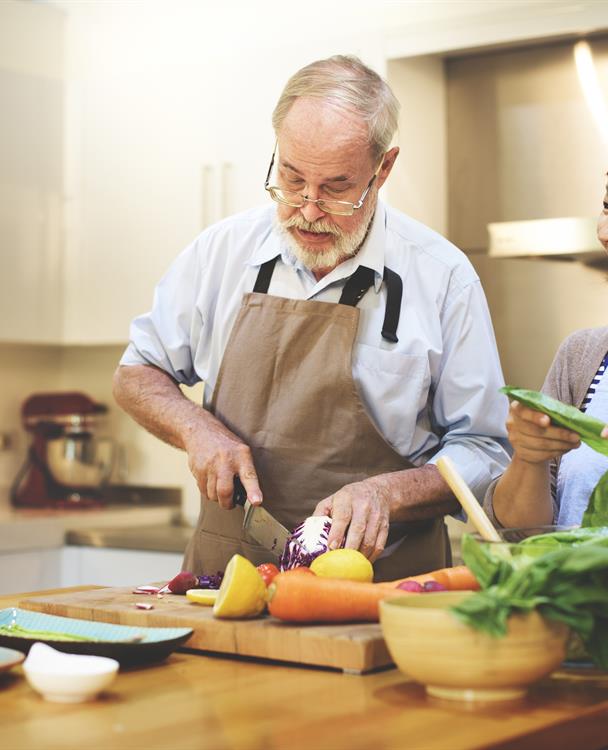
[452,660]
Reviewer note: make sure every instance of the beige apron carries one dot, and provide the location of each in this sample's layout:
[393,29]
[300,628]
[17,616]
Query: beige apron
[285,387]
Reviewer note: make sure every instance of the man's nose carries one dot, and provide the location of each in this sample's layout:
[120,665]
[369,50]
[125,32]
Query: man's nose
[311,211]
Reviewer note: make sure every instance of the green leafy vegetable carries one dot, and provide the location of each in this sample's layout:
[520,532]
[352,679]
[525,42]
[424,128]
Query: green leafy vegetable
[596,513]
[589,428]
[568,584]
[558,539]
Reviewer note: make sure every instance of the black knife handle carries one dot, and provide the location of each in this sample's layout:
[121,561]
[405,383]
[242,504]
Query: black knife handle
[239,495]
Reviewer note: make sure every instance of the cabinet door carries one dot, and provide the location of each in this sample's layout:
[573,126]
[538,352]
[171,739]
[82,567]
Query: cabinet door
[32,570]
[136,199]
[31,176]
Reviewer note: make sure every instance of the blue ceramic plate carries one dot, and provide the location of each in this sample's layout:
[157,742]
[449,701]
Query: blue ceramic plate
[10,658]
[125,643]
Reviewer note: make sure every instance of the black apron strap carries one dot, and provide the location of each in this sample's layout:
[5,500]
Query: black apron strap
[356,286]
[394,293]
[264,275]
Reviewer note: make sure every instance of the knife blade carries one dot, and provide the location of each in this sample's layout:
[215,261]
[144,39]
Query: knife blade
[258,522]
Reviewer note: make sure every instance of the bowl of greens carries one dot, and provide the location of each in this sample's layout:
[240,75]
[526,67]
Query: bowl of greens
[559,573]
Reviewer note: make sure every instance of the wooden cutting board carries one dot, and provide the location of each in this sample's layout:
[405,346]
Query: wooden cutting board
[356,648]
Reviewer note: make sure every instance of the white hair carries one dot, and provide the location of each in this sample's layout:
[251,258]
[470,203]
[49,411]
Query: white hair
[346,82]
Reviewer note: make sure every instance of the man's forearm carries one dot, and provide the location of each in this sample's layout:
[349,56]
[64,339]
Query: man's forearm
[155,401]
[418,494]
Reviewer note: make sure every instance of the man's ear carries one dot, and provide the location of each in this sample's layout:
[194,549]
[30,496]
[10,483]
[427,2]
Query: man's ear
[387,164]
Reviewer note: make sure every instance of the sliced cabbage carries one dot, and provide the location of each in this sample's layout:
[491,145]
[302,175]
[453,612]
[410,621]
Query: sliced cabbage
[306,541]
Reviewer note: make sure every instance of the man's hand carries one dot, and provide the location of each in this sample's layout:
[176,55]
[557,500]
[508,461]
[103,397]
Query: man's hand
[215,456]
[364,509]
[534,438]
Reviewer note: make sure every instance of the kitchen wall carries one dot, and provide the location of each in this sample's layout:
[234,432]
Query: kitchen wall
[23,369]
[522,141]
[522,144]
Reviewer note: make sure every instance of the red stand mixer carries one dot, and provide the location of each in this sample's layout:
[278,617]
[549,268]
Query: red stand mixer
[66,464]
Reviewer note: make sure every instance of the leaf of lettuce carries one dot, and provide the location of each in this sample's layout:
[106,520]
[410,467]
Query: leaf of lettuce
[596,513]
[569,585]
[567,536]
[589,428]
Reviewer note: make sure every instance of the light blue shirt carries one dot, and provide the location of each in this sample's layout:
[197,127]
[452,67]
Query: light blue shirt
[433,393]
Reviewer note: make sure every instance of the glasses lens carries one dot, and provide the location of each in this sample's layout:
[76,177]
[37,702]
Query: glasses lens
[286,196]
[297,200]
[342,208]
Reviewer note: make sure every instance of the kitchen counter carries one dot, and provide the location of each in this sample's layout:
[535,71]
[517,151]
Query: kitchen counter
[45,528]
[195,701]
[153,537]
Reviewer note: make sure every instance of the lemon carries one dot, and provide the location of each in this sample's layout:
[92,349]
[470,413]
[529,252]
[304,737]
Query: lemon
[202,596]
[242,592]
[343,563]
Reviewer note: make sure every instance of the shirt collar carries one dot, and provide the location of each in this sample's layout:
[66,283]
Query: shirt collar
[371,254]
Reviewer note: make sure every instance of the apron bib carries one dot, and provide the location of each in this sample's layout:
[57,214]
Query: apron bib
[285,387]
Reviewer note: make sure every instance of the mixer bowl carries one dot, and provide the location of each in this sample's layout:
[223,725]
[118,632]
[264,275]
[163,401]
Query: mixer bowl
[80,461]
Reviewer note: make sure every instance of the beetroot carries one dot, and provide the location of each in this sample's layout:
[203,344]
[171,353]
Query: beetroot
[411,586]
[182,582]
[185,580]
[419,588]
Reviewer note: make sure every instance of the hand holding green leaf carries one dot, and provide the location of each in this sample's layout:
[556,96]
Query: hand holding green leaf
[588,428]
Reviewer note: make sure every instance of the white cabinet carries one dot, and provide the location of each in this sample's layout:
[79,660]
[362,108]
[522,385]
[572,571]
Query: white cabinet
[117,567]
[35,570]
[161,155]
[30,570]
[31,177]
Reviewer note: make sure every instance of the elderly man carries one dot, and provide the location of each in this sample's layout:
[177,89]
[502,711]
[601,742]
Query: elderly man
[344,347]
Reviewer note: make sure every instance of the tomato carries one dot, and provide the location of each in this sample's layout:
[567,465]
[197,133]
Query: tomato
[268,571]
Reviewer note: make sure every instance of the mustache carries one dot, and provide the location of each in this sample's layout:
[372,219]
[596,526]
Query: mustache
[318,227]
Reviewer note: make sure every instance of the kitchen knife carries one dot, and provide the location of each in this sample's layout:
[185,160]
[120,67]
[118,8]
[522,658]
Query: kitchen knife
[258,522]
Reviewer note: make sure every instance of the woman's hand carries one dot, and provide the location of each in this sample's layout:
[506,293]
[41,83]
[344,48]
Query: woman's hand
[534,438]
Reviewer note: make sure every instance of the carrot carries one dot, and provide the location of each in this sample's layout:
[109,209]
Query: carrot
[458,578]
[301,598]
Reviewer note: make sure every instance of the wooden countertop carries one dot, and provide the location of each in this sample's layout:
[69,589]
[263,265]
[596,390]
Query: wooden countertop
[197,702]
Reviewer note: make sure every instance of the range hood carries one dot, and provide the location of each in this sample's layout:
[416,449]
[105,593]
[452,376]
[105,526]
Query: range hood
[563,239]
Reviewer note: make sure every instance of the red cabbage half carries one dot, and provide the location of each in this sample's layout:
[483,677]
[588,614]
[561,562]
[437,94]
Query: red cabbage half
[306,541]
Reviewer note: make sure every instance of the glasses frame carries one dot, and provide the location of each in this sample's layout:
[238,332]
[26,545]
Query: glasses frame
[349,208]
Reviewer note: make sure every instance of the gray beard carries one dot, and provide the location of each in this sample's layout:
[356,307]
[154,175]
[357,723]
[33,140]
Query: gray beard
[345,245]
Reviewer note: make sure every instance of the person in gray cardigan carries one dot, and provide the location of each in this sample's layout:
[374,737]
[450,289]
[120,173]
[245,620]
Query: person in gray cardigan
[552,475]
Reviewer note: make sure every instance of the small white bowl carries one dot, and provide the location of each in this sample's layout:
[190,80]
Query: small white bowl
[67,678]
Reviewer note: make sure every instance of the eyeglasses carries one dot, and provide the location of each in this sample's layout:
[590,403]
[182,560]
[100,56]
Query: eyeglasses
[328,206]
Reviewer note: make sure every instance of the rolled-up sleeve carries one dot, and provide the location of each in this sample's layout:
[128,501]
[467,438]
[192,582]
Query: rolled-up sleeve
[163,337]
[468,409]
